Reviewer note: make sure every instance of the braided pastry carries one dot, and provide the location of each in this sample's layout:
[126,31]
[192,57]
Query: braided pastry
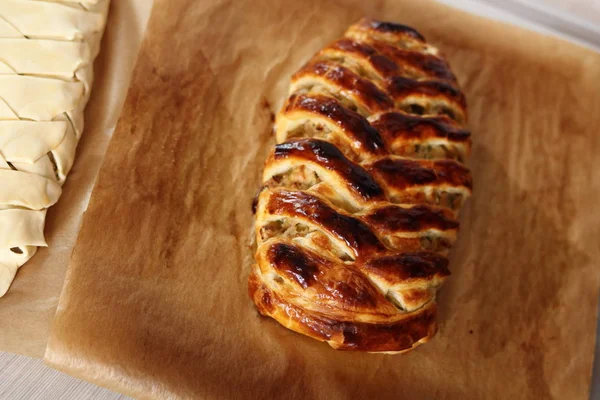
[47,51]
[361,194]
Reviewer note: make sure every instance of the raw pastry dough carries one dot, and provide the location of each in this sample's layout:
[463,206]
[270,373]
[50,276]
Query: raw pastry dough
[361,194]
[47,51]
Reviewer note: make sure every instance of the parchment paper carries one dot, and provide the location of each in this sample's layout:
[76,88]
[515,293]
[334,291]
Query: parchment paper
[155,303]
[27,309]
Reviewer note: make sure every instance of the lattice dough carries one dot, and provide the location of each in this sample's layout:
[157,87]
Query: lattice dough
[47,50]
[361,194]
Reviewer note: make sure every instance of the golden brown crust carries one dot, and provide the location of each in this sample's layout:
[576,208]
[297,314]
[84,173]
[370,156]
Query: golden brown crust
[416,64]
[422,137]
[395,337]
[362,56]
[387,32]
[360,93]
[332,121]
[431,97]
[360,195]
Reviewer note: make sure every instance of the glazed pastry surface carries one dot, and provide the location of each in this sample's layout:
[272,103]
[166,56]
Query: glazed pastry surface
[361,194]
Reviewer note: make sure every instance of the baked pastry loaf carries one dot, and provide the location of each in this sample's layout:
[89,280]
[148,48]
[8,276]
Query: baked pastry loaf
[361,194]
[47,50]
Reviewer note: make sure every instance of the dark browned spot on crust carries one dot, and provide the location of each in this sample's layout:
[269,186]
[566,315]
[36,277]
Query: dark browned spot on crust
[454,173]
[266,104]
[330,157]
[331,281]
[255,200]
[254,204]
[394,125]
[266,300]
[391,27]
[294,263]
[346,80]
[382,64]
[402,173]
[428,64]
[395,336]
[256,290]
[400,87]
[351,289]
[388,337]
[349,121]
[354,294]
[408,266]
[394,218]
[355,233]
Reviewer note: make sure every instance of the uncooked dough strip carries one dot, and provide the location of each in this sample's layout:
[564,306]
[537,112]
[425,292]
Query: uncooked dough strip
[22,228]
[28,141]
[64,154]
[49,58]
[40,19]
[42,167]
[11,259]
[39,99]
[31,191]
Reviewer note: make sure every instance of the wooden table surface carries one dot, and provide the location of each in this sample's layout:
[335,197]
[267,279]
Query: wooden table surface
[26,378]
